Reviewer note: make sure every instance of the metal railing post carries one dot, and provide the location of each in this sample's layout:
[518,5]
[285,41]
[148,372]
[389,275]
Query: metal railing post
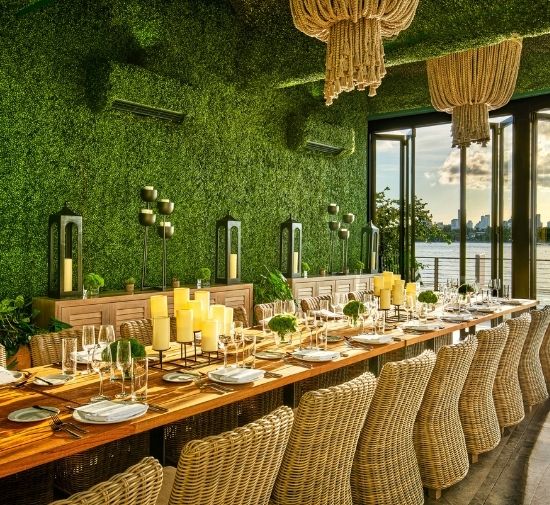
[436,274]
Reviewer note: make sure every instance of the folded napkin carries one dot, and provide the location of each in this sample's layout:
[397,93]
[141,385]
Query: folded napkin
[107,411]
[237,374]
[6,376]
[485,308]
[417,325]
[316,355]
[373,339]
[456,318]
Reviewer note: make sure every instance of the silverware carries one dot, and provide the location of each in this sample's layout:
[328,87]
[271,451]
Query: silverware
[295,362]
[51,411]
[25,380]
[213,388]
[45,381]
[156,408]
[59,422]
[272,375]
[62,427]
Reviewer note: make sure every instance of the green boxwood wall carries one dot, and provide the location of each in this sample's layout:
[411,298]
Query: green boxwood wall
[59,140]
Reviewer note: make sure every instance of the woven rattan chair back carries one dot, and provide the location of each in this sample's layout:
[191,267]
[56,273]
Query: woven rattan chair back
[46,347]
[476,406]
[544,355]
[260,310]
[506,390]
[438,437]
[385,469]
[326,428]
[139,485]
[313,302]
[531,376]
[142,330]
[2,355]
[239,314]
[238,467]
[357,295]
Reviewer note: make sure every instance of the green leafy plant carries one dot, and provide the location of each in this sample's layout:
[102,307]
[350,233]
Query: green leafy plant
[57,325]
[427,297]
[283,324]
[16,326]
[271,286]
[358,265]
[203,274]
[129,280]
[93,281]
[353,308]
[305,267]
[137,349]
[464,289]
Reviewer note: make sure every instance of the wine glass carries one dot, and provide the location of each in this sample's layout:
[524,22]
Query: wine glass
[290,307]
[101,361]
[106,335]
[123,363]
[239,340]
[88,343]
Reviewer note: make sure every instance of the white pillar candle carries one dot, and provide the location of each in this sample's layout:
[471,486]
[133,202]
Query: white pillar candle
[158,305]
[161,333]
[411,288]
[209,342]
[396,277]
[228,320]
[233,266]
[184,325]
[378,284]
[295,258]
[372,260]
[163,200]
[204,298]
[181,297]
[217,312]
[196,307]
[68,275]
[388,279]
[397,296]
[385,299]
[148,188]
[146,211]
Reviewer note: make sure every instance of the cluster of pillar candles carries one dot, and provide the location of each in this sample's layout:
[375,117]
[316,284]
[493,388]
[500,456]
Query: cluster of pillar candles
[191,316]
[391,289]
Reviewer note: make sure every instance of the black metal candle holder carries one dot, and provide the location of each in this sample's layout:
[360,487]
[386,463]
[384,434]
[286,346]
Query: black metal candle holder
[165,208]
[333,226]
[148,195]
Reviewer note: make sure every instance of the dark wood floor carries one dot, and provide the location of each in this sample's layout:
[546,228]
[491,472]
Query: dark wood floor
[517,472]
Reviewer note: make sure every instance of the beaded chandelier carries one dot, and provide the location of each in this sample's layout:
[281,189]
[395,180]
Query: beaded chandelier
[353,31]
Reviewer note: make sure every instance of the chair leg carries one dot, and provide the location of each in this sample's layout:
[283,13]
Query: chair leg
[474,458]
[434,494]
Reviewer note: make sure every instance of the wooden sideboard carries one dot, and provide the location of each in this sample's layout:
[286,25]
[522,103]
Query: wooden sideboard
[329,284]
[116,307]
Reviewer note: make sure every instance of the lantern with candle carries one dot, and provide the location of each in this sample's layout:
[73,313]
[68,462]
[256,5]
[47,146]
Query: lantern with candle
[370,247]
[228,250]
[290,248]
[146,218]
[65,253]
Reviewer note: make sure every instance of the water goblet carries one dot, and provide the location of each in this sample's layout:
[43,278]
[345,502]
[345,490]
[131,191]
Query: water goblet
[106,335]
[88,343]
[101,362]
[123,363]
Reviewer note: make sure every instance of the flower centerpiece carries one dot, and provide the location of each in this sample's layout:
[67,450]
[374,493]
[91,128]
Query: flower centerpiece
[203,277]
[428,297]
[465,289]
[352,309]
[283,324]
[92,283]
[305,269]
[129,284]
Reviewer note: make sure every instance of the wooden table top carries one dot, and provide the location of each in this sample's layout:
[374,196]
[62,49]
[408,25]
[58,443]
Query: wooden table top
[25,445]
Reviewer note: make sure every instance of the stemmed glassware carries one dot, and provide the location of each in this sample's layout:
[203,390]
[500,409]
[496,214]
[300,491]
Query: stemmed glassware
[106,335]
[101,361]
[123,363]
[239,340]
[88,343]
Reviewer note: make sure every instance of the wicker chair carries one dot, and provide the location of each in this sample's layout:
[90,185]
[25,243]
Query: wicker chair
[312,303]
[2,356]
[438,437]
[357,295]
[238,467]
[139,485]
[326,428]
[476,407]
[506,390]
[531,376]
[239,314]
[142,330]
[260,310]
[46,347]
[544,355]
[385,468]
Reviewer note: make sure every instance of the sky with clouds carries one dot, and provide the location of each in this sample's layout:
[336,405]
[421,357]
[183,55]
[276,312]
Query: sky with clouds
[438,174]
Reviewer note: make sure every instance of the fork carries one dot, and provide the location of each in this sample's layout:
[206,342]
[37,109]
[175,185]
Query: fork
[59,422]
[62,427]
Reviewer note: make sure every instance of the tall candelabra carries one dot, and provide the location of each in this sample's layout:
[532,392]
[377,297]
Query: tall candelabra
[146,218]
[165,231]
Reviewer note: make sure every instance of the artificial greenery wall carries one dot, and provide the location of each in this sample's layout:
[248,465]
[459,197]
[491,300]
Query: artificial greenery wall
[60,68]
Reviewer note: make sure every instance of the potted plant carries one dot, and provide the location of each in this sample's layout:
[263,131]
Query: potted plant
[305,269]
[16,328]
[283,324]
[92,283]
[353,309]
[323,270]
[270,287]
[175,281]
[465,289]
[429,298]
[203,277]
[359,265]
[129,284]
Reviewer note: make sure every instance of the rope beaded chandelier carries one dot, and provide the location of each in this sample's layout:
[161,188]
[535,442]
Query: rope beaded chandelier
[470,84]
[353,31]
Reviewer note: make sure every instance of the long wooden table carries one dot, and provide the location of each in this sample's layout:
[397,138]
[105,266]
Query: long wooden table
[26,445]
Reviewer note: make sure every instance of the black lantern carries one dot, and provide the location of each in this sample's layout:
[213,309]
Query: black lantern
[228,250]
[290,248]
[370,247]
[65,253]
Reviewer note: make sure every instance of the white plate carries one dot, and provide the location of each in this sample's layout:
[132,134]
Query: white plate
[82,419]
[244,380]
[315,355]
[56,380]
[270,355]
[179,377]
[373,339]
[31,415]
